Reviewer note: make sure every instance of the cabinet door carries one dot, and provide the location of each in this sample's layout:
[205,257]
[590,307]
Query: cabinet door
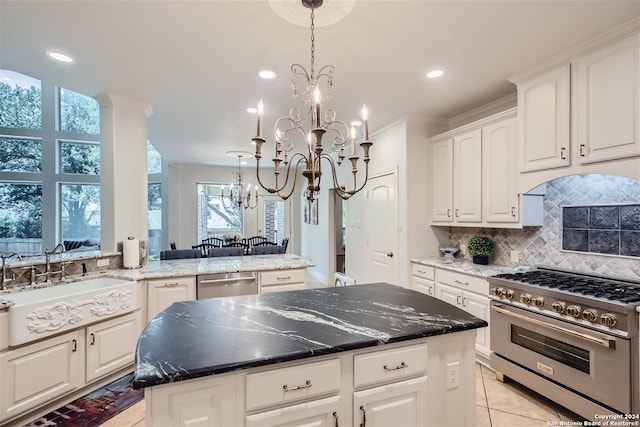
[608,102]
[425,286]
[478,305]
[317,413]
[442,181]
[38,373]
[467,178]
[449,294]
[162,293]
[111,345]
[499,173]
[397,404]
[544,120]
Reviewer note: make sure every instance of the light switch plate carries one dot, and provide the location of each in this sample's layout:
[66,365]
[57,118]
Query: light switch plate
[515,256]
[102,262]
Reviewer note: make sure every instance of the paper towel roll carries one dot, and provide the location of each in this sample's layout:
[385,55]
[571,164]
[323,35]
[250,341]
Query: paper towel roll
[131,253]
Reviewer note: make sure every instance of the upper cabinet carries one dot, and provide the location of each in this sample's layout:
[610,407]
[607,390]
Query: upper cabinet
[607,92]
[582,115]
[474,173]
[543,120]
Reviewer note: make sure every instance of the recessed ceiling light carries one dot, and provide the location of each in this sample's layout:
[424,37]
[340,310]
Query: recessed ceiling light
[267,74]
[434,74]
[252,110]
[59,56]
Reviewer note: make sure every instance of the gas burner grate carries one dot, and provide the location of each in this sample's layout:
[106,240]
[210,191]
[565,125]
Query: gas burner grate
[594,287]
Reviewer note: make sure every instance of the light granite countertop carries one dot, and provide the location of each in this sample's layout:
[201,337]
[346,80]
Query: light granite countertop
[465,266]
[192,267]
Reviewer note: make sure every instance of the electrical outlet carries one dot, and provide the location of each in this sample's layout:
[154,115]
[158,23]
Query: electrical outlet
[453,375]
[515,256]
[102,262]
[463,249]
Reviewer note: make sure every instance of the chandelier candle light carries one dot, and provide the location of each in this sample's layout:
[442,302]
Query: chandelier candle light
[296,124]
[237,193]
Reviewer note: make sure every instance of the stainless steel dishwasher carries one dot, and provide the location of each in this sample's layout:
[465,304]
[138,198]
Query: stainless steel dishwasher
[226,284]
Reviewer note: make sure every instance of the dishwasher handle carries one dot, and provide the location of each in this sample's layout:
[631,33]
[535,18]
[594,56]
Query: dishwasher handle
[235,279]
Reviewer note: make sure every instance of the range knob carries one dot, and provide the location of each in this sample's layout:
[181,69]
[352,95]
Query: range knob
[497,291]
[525,298]
[574,311]
[538,301]
[508,293]
[558,307]
[608,319]
[590,315]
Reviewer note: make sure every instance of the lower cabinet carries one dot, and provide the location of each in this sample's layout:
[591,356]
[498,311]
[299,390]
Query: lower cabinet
[471,294]
[38,373]
[161,293]
[404,384]
[35,374]
[422,279]
[282,280]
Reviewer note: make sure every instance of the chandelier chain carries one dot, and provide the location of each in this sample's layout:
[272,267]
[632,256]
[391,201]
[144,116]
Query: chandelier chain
[313,46]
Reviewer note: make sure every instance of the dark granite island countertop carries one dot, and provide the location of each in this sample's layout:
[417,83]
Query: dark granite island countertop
[198,338]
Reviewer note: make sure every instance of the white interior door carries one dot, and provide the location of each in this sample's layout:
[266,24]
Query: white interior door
[381,229]
[274,219]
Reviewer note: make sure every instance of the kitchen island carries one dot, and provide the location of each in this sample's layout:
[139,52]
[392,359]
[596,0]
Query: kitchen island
[377,353]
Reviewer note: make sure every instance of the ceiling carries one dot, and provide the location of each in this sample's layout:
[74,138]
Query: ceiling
[196,63]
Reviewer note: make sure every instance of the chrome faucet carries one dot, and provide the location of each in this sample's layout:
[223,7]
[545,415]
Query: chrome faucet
[47,270]
[3,279]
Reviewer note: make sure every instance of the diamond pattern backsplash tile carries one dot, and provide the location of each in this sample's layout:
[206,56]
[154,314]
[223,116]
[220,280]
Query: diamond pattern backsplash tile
[567,205]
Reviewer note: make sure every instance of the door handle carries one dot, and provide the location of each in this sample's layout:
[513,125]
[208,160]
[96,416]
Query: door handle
[390,254]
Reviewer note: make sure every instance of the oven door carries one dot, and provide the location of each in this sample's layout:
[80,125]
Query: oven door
[588,362]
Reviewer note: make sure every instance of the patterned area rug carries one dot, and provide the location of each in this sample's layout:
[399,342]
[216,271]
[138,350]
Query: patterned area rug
[94,408]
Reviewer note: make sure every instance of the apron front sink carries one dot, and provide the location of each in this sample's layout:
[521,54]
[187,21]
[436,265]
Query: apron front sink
[40,313]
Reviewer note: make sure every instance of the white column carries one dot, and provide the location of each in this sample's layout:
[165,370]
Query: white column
[123,170]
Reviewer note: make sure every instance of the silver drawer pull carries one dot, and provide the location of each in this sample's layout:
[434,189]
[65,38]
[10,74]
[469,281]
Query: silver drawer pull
[461,283]
[283,278]
[307,384]
[171,285]
[395,368]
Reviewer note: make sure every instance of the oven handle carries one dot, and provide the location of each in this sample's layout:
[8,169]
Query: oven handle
[609,343]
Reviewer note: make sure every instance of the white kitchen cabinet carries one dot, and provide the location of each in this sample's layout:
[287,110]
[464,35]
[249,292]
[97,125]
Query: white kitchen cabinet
[607,101]
[471,294]
[500,200]
[282,280]
[456,178]
[442,181]
[398,404]
[161,293]
[467,177]
[390,387]
[37,373]
[111,345]
[544,109]
[423,279]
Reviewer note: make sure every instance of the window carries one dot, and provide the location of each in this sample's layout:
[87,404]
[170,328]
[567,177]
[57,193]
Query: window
[80,212]
[154,201]
[20,154]
[216,215]
[49,177]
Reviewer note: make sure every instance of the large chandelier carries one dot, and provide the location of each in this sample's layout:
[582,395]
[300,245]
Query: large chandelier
[238,194]
[296,124]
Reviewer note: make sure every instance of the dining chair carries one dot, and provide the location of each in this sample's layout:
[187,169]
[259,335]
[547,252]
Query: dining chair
[265,243]
[220,252]
[267,250]
[285,243]
[251,241]
[203,247]
[215,241]
[180,254]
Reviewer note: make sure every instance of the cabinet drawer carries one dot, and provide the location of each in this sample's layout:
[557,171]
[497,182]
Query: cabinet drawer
[388,365]
[282,277]
[424,271]
[286,385]
[465,282]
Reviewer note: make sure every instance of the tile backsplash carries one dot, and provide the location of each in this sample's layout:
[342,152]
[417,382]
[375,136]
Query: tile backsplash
[544,245]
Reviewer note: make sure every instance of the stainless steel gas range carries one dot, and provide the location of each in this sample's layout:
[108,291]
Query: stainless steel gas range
[569,336]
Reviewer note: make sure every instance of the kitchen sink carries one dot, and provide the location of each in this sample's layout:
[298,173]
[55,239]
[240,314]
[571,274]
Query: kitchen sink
[39,313]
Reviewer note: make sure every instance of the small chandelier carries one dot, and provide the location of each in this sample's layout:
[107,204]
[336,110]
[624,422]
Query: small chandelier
[318,126]
[237,193]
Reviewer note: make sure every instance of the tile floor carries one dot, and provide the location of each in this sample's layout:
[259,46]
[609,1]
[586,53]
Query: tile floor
[497,404]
